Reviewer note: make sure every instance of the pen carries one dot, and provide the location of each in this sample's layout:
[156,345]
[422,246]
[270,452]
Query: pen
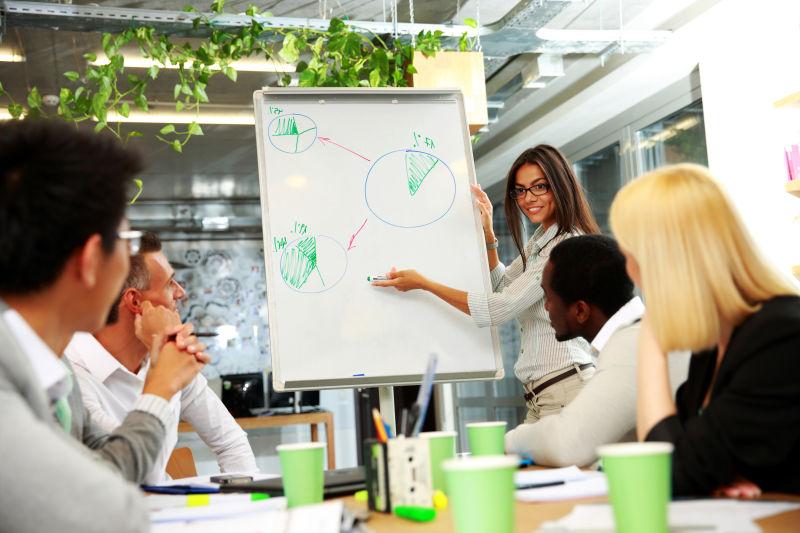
[377,278]
[540,485]
[388,428]
[381,431]
[180,489]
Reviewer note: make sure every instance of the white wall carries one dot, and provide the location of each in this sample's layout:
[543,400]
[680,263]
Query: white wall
[749,61]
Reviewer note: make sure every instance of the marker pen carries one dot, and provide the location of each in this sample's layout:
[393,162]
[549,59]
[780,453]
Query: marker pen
[377,278]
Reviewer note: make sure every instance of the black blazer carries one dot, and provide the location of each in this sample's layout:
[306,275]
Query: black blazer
[751,425]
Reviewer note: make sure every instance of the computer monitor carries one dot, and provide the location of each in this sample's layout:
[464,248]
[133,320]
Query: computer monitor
[277,399]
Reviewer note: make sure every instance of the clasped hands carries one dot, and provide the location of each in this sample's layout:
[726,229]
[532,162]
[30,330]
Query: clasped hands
[176,355]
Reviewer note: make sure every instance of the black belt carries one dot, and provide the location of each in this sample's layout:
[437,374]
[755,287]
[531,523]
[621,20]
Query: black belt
[552,381]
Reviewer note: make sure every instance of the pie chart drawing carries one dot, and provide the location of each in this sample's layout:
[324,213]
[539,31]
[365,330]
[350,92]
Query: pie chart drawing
[409,188]
[292,133]
[313,263]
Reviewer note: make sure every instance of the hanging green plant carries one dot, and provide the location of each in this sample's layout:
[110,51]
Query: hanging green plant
[342,56]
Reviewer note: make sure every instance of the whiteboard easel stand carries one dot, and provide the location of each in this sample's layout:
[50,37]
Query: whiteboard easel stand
[386,402]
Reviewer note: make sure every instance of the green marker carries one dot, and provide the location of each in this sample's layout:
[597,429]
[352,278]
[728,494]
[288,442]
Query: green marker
[377,278]
[417,514]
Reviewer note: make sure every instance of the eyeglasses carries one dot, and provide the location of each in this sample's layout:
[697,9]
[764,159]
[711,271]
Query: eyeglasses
[134,239]
[537,189]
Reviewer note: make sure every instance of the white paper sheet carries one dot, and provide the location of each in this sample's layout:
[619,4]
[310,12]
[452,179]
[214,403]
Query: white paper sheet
[568,473]
[718,516]
[592,486]
[321,518]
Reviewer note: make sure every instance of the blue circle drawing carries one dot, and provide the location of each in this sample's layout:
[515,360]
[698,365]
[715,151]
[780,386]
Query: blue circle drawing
[292,133]
[300,267]
[409,188]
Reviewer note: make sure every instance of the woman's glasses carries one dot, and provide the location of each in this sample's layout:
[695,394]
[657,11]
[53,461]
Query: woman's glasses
[537,189]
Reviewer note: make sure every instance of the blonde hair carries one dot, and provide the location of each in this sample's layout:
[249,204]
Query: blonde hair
[699,267]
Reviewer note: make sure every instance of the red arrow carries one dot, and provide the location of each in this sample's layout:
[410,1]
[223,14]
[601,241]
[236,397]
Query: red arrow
[327,139]
[353,236]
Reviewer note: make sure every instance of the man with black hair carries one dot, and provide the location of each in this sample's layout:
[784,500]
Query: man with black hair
[589,294]
[112,366]
[64,247]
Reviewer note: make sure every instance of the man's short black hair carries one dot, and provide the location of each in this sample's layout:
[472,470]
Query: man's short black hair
[58,186]
[591,268]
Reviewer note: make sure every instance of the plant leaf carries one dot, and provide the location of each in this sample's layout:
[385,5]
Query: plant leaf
[136,181]
[125,109]
[169,128]
[374,78]
[176,145]
[71,75]
[34,99]
[141,102]
[90,57]
[16,110]
[472,23]
[195,129]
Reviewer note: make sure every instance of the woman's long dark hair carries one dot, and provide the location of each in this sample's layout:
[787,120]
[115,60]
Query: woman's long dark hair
[572,209]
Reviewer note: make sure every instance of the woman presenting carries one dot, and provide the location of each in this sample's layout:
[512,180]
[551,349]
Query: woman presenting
[542,187]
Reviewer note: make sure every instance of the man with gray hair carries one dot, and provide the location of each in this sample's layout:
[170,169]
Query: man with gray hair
[111,367]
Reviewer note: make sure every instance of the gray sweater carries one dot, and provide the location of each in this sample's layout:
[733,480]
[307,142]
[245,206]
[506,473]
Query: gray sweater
[53,482]
[603,412]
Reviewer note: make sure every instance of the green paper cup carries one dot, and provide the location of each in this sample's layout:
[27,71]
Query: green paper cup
[481,493]
[442,445]
[301,466]
[487,438]
[639,484]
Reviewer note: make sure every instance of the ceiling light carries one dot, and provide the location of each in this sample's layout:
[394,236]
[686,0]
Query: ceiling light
[244,118]
[8,55]
[233,116]
[250,64]
[216,223]
[687,123]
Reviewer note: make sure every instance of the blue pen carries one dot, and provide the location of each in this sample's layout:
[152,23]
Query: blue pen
[180,489]
[421,406]
[388,429]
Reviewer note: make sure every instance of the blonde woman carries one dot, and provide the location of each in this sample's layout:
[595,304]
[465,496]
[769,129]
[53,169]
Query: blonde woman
[735,422]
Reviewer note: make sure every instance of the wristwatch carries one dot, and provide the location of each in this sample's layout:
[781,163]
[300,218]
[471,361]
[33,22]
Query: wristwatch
[492,245]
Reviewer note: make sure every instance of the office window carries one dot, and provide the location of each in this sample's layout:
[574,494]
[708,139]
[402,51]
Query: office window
[601,177]
[677,138]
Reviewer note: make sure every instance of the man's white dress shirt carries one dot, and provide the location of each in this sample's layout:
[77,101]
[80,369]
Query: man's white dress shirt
[110,390]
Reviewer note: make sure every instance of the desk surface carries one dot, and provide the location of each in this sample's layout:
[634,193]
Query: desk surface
[530,516]
[288,419]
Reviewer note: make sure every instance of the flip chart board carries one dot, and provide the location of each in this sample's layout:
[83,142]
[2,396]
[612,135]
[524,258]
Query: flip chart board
[353,182]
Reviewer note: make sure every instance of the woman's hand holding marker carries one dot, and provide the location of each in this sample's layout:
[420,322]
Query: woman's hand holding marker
[402,280]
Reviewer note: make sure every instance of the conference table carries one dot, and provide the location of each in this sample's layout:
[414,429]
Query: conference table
[530,516]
